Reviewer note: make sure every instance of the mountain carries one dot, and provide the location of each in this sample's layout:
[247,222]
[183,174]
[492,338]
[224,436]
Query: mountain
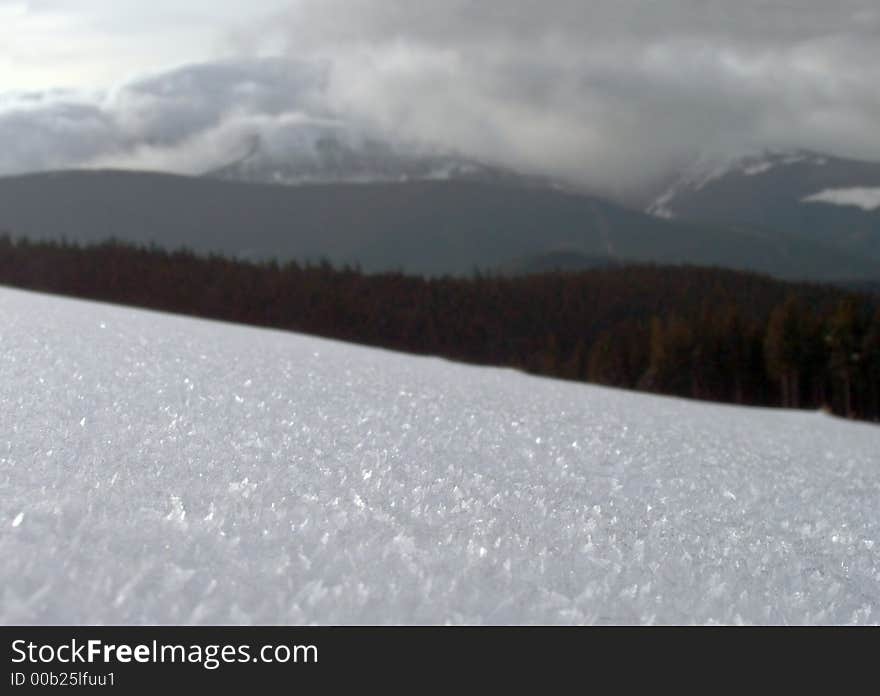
[161,469]
[802,195]
[331,156]
[422,227]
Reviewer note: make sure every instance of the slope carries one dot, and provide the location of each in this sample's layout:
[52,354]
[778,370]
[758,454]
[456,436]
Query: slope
[157,469]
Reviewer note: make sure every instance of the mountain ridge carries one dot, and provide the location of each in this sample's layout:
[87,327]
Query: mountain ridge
[420,227]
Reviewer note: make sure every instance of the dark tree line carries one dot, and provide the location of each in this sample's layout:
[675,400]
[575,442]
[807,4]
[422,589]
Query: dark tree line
[703,333]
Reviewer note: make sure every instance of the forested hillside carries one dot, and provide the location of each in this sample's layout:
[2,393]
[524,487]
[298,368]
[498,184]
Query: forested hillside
[696,332]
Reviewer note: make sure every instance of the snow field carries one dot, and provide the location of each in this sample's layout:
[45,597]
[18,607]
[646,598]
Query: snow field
[158,469]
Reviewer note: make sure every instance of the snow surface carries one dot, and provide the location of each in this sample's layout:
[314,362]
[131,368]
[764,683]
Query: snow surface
[158,469]
[865,198]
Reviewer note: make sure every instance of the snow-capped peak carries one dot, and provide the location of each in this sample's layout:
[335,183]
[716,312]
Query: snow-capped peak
[332,154]
[707,169]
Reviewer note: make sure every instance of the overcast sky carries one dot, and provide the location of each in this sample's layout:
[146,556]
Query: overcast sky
[607,93]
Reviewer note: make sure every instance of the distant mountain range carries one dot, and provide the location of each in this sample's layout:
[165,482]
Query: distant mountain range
[825,200]
[789,215]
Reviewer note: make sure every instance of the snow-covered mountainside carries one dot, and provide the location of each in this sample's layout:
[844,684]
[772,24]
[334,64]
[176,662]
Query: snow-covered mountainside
[798,195]
[334,156]
[797,176]
[163,469]
[706,171]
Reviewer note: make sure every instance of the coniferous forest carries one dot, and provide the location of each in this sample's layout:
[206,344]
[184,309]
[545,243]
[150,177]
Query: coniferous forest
[702,333]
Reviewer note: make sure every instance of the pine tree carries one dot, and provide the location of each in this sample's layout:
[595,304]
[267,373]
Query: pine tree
[844,339]
[783,349]
[871,360]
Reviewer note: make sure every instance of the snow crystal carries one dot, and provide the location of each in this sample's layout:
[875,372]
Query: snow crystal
[363,486]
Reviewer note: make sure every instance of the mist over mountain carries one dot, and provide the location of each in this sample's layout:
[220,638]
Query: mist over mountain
[332,155]
[611,104]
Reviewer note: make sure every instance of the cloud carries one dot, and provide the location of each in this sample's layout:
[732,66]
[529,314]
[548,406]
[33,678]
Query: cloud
[189,120]
[170,107]
[609,94]
[186,120]
[37,135]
